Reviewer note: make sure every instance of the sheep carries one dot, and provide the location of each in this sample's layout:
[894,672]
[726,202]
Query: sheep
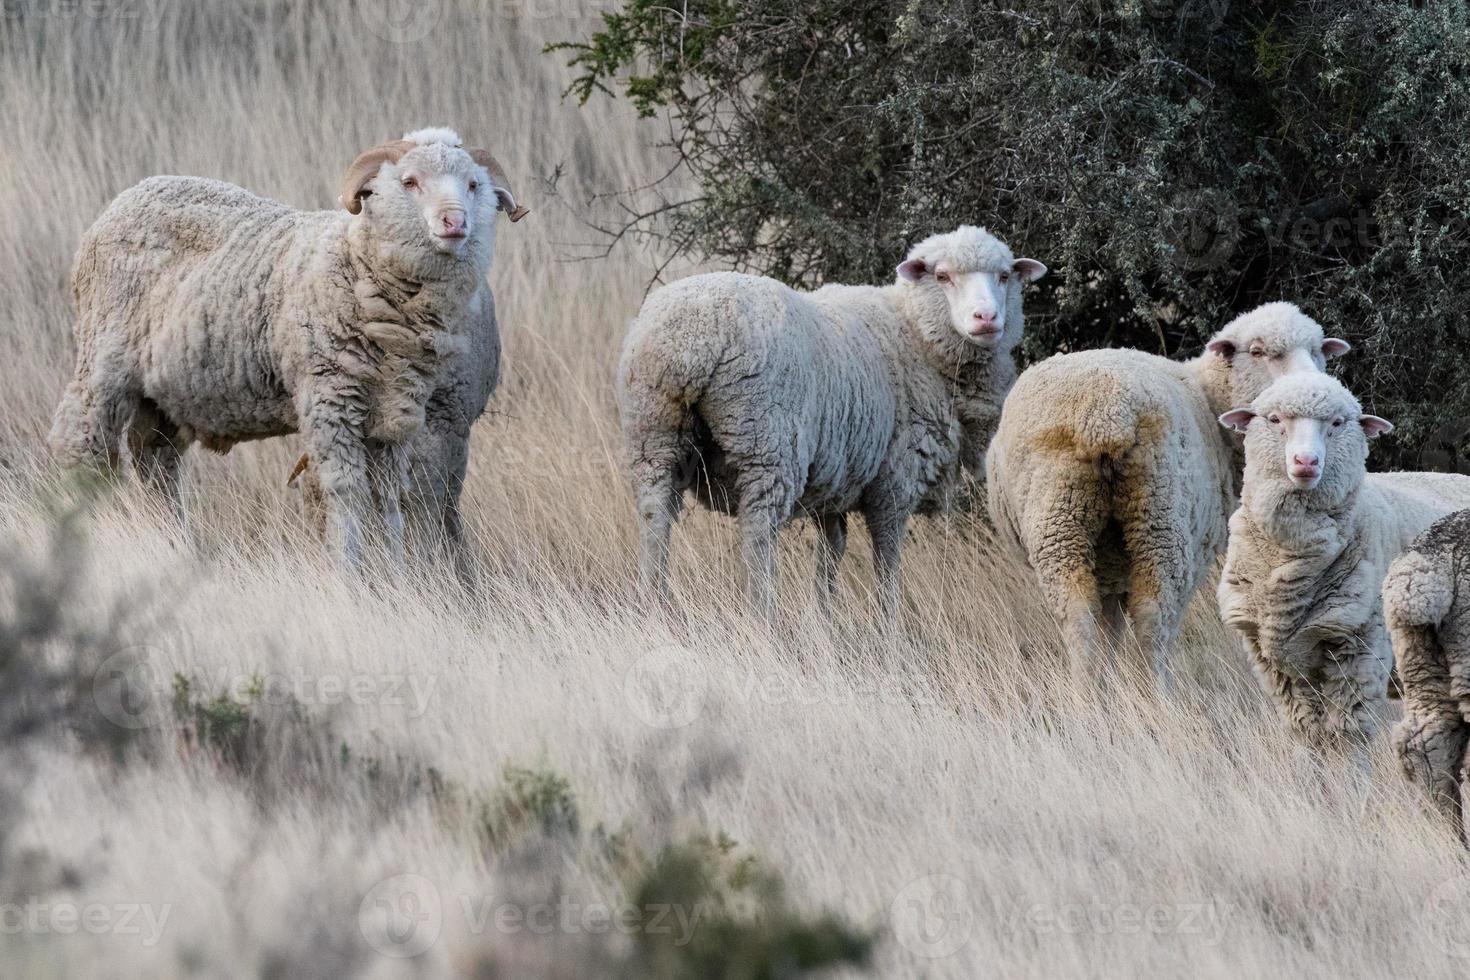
[207,314]
[768,403]
[1109,476]
[1429,628]
[1309,546]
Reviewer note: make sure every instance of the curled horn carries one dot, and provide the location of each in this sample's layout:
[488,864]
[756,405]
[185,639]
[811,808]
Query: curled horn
[502,185]
[365,168]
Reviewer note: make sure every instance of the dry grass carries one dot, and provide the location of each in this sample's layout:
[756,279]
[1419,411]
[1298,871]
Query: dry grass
[950,792]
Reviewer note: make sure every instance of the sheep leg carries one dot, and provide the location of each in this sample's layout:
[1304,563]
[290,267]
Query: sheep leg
[831,546]
[340,458]
[659,504]
[387,465]
[758,528]
[1154,631]
[89,422]
[885,530]
[1432,737]
[465,570]
[157,447]
[438,457]
[1081,619]
[1063,521]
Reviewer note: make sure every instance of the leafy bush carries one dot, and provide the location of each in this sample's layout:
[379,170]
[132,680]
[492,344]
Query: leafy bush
[1174,161]
[746,927]
[529,801]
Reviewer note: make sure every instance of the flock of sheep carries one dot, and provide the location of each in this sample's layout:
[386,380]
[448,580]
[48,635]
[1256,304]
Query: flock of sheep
[207,314]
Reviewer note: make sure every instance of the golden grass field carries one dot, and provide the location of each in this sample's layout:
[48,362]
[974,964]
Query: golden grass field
[949,792]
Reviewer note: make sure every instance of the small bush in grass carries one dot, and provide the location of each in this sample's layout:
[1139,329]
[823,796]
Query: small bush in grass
[743,924]
[529,801]
[220,724]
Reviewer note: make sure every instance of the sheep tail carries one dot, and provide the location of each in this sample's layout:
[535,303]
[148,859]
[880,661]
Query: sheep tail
[1107,422]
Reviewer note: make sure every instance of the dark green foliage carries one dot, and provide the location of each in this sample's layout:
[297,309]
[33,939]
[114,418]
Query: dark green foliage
[61,664]
[221,724]
[744,929]
[529,801]
[1175,162]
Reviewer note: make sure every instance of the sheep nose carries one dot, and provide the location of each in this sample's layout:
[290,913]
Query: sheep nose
[984,319]
[1306,459]
[452,223]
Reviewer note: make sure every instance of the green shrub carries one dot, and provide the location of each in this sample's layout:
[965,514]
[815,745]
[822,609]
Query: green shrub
[528,802]
[1174,161]
[743,926]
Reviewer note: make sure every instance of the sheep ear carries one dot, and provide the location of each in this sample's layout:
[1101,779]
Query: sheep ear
[1238,419]
[503,193]
[1225,348]
[1335,347]
[1373,426]
[365,168]
[912,269]
[1029,270]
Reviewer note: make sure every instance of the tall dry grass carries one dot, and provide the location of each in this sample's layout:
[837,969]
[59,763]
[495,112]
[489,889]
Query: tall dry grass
[950,791]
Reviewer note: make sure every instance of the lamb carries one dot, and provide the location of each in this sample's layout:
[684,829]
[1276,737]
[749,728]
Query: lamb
[1110,476]
[1309,547]
[1429,626]
[768,403]
[207,314]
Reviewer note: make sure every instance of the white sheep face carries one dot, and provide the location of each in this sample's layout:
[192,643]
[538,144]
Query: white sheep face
[1258,361]
[1308,443]
[441,190]
[979,299]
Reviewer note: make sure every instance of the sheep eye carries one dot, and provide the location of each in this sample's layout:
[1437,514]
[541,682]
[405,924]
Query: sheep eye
[474,186]
[1257,352]
[1336,423]
[1005,277]
[410,182]
[1274,419]
[942,276]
